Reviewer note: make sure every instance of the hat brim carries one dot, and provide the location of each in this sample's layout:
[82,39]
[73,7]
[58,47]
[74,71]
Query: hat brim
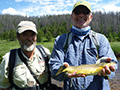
[81,5]
[84,3]
[23,29]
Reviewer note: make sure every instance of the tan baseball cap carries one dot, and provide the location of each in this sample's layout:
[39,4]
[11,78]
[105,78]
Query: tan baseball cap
[84,3]
[26,25]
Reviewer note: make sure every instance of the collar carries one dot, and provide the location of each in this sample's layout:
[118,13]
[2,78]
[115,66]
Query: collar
[80,32]
[82,37]
[27,57]
[82,29]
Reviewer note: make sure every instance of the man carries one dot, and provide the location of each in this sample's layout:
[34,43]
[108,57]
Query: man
[24,74]
[82,50]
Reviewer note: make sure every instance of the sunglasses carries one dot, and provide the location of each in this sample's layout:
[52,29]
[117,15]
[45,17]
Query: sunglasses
[77,12]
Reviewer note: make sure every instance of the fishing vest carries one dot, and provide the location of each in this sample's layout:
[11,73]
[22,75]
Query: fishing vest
[93,35]
[12,60]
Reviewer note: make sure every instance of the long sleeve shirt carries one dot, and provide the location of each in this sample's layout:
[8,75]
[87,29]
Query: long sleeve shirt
[81,51]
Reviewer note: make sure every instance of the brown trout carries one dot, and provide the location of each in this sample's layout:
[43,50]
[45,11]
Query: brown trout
[89,69]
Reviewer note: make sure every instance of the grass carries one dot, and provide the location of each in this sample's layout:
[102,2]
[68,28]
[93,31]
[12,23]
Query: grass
[5,46]
[48,45]
[115,46]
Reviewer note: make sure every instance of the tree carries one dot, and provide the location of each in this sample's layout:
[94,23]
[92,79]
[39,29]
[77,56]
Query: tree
[6,35]
[12,35]
[40,35]
[105,23]
[48,36]
[118,36]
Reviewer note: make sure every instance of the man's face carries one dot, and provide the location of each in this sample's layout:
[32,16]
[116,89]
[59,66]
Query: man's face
[81,17]
[27,40]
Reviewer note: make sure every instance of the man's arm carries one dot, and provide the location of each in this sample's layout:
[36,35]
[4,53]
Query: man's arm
[4,81]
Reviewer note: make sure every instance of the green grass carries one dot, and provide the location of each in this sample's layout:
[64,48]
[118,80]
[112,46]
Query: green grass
[48,45]
[5,46]
[115,46]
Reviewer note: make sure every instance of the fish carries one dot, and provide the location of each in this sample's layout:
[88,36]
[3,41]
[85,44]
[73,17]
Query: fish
[86,69]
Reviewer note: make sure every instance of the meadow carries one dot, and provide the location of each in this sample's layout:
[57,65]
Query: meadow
[5,46]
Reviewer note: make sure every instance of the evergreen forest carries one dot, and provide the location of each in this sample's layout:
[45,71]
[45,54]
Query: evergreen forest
[50,26]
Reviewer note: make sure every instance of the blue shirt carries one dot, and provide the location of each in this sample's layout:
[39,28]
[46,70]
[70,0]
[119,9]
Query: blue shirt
[81,51]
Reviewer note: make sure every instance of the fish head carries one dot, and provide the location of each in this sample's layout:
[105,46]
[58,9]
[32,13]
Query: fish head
[60,70]
[69,69]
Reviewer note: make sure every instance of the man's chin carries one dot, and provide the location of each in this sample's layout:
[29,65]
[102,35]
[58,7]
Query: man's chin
[30,48]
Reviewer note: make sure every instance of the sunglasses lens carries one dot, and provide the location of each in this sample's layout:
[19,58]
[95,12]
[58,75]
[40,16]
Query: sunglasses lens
[81,12]
[77,12]
[85,12]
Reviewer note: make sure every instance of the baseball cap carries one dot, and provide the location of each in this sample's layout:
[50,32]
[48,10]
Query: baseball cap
[26,25]
[84,3]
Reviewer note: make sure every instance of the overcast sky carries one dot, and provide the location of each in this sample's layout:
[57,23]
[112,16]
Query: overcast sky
[52,7]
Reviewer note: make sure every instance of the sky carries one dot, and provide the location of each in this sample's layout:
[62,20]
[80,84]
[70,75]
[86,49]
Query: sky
[53,7]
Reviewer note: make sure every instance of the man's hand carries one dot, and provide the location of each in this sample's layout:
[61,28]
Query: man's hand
[107,70]
[74,74]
